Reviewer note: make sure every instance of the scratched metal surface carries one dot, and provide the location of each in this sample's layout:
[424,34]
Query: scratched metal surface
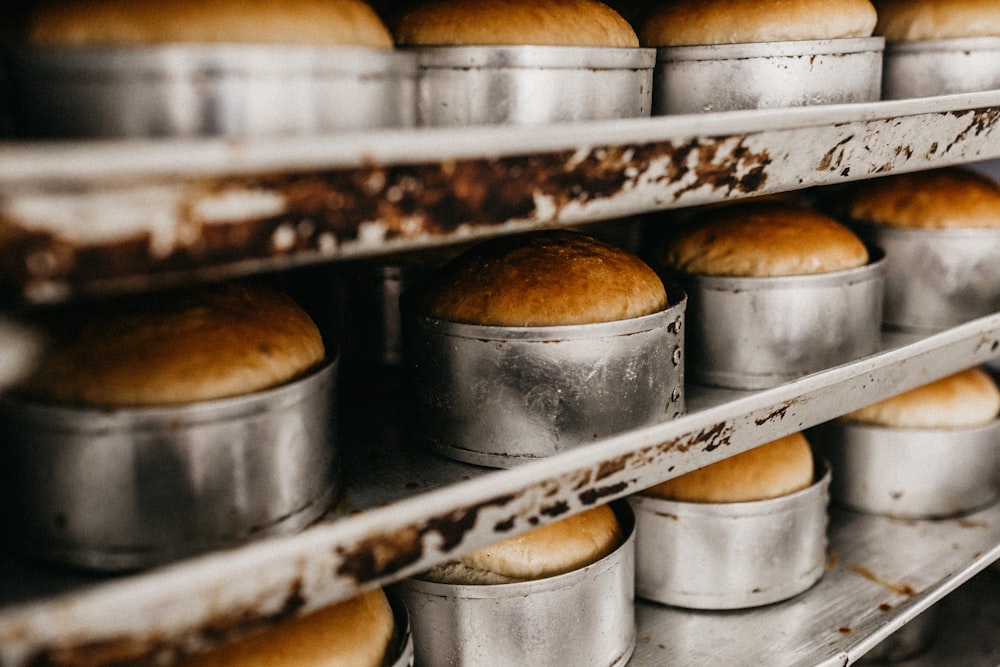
[405,510]
[83,218]
[881,574]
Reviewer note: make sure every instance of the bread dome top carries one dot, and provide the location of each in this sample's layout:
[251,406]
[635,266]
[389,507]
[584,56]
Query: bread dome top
[180,347]
[775,469]
[144,22]
[553,549]
[514,22]
[949,198]
[910,20]
[543,279]
[763,239]
[353,633]
[968,398]
[705,22]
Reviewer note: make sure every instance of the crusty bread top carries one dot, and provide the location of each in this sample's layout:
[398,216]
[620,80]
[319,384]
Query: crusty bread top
[969,398]
[949,198]
[174,348]
[514,22]
[144,22]
[705,22]
[352,633]
[557,548]
[908,20]
[772,470]
[764,239]
[543,279]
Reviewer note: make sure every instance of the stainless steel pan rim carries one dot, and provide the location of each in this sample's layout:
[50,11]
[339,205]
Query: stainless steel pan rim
[963,44]
[876,264]
[582,617]
[911,473]
[534,57]
[135,418]
[731,555]
[745,50]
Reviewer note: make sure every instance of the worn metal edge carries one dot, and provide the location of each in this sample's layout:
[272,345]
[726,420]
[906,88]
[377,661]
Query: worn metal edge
[175,609]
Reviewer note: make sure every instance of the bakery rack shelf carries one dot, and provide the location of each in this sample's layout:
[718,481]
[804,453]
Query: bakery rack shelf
[404,510]
[98,216]
[89,218]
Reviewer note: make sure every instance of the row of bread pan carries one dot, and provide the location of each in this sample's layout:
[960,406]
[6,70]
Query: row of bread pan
[254,90]
[534,393]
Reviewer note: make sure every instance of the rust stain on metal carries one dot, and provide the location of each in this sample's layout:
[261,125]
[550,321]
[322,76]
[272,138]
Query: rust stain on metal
[833,158]
[779,414]
[608,468]
[900,588]
[323,209]
[382,555]
[982,120]
[595,495]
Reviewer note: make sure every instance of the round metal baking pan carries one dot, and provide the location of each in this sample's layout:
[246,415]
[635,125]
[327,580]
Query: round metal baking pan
[726,77]
[731,555]
[500,396]
[127,488]
[911,473]
[531,85]
[941,67]
[758,332]
[937,278]
[400,652]
[583,617]
[198,90]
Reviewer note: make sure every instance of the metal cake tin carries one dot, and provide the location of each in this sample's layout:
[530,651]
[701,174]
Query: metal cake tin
[940,67]
[127,488]
[731,555]
[758,332]
[198,90]
[530,85]
[911,473]
[762,75]
[936,278]
[500,396]
[585,617]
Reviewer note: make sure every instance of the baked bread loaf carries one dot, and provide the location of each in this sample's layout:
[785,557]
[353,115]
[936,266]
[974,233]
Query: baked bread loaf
[772,470]
[911,20]
[949,198]
[968,398]
[196,345]
[763,239]
[543,279]
[142,22]
[559,547]
[706,22]
[353,633]
[514,22]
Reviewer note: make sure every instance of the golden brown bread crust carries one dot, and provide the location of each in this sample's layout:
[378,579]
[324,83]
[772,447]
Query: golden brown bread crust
[190,346]
[704,22]
[764,239]
[514,22]
[352,633]
[559,547]
[950,198]
[775,469]
[543,279]
[144,22]
[910,20]
[969,398]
